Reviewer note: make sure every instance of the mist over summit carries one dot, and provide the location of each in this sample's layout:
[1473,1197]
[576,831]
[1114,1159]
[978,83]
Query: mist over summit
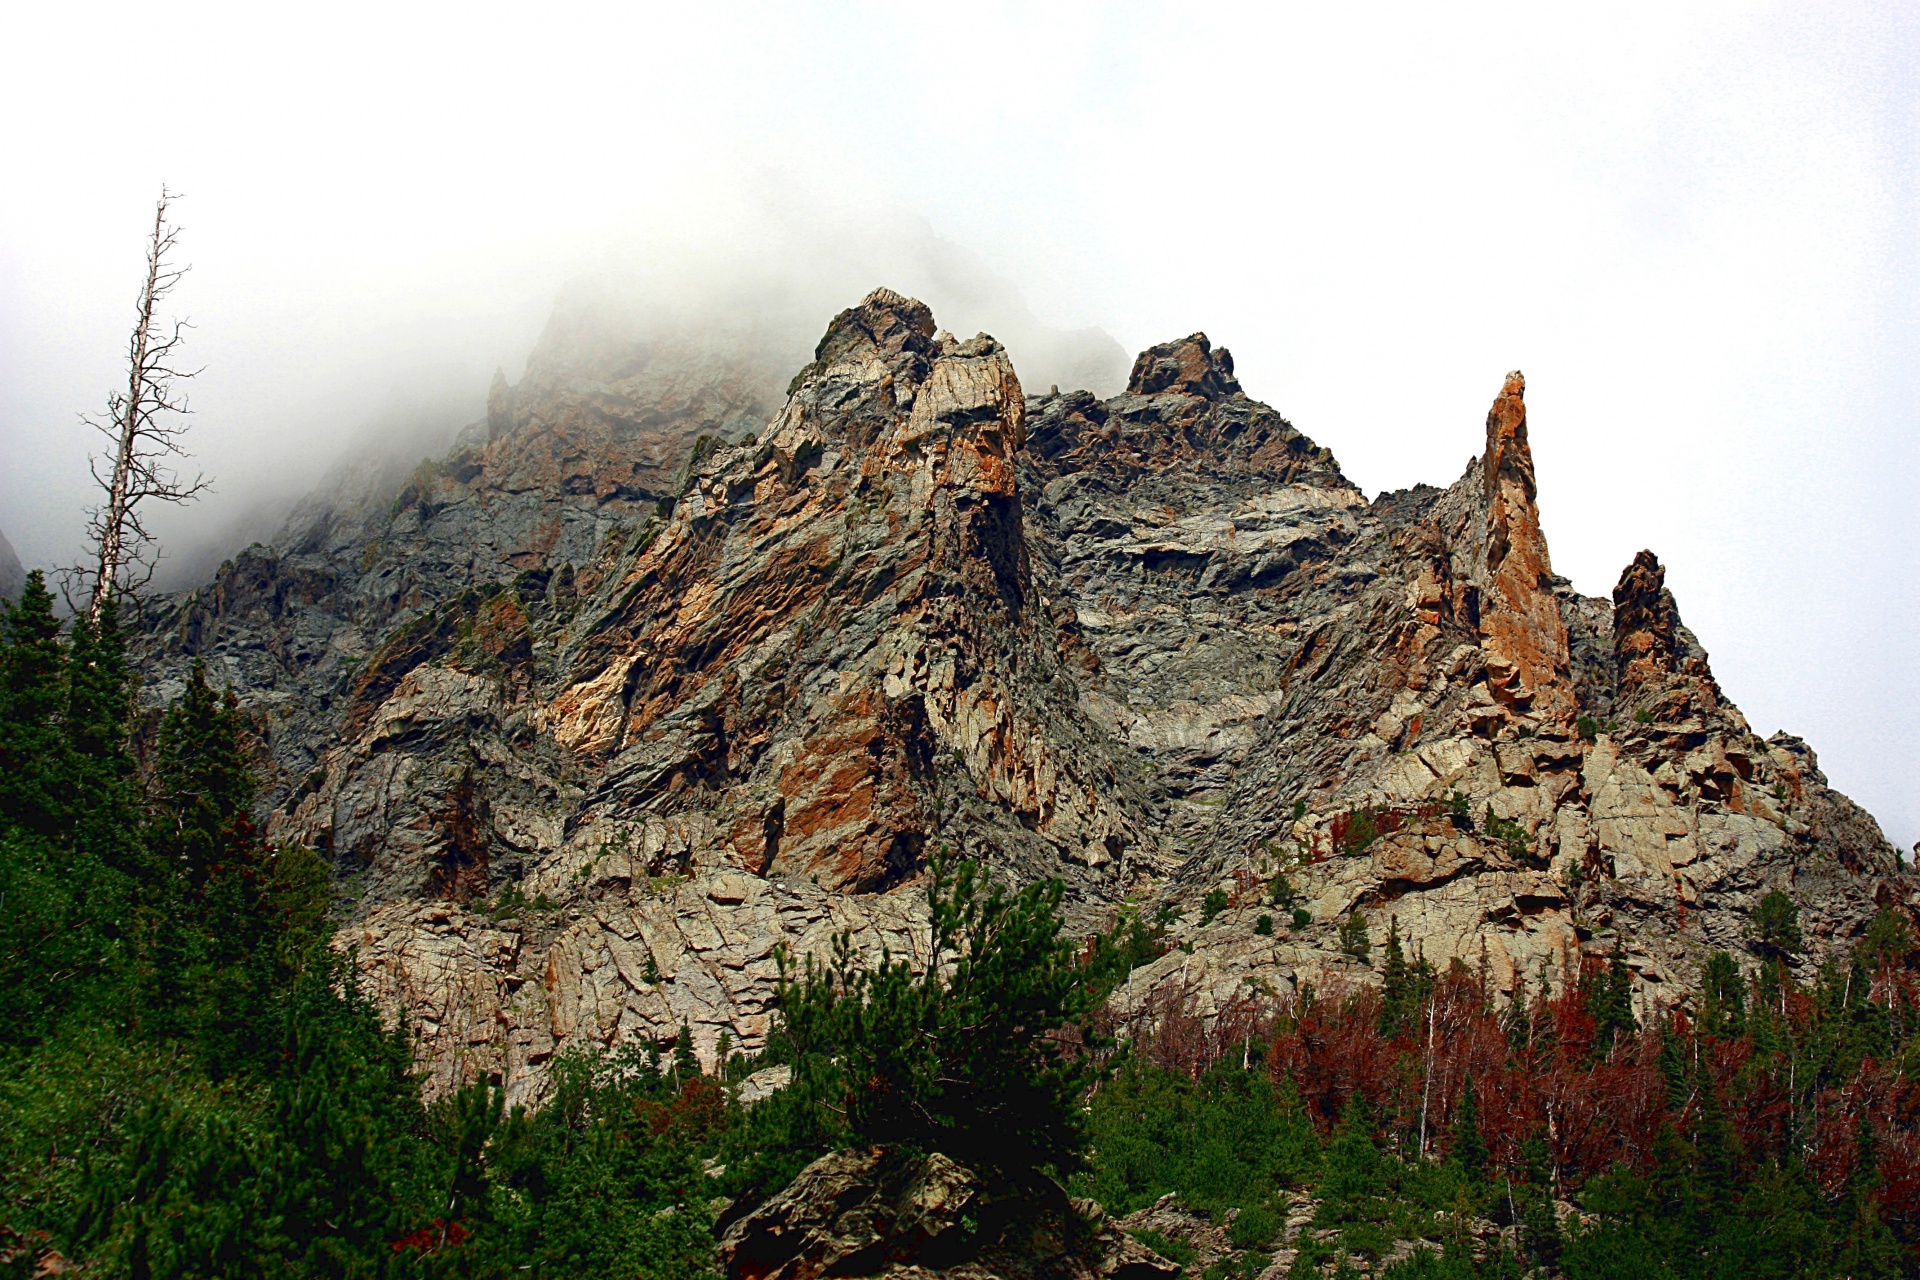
[751,284]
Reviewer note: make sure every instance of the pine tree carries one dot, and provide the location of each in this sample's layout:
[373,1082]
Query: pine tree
[237,920]
[1776,926]
[1399,994]
[686,1066]
[203,785]
[1517,1022]
[98,712]
[1610,1001]
[1468,1147]
[36,774]
[345,1173]
[962,1058]
[1353,936]
[1722,1009]
[67,817]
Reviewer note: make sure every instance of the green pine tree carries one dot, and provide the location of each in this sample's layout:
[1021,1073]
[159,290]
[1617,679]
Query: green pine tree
[1723,1011]
[1354,940]
[37,793]
[1399,994]
[1467,1146]
[1776,925]
[67,818]
[1610,1001]
[961,1059]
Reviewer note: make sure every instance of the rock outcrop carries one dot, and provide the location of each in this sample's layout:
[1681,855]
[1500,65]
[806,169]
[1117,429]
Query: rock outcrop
[661,670]
[1400,708]
[873,1212]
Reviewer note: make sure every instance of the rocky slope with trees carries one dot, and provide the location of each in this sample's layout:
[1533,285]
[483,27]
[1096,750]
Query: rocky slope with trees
[660,670]
[907,827]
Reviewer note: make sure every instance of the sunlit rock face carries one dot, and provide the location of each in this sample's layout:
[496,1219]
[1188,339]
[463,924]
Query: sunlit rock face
[666,668]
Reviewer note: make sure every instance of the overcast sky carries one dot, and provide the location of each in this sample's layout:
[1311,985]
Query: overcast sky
[1695,227]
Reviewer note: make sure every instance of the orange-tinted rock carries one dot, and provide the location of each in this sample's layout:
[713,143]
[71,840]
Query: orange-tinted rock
[711,670]
[1660,668]
[1525,638]
[876,529]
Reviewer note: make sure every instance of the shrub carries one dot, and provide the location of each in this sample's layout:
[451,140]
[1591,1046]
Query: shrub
[1587,727]
[1224,1140]
[1214,904]
[1776,925]
[1172,1250]
[1263,925]
[1256,1227]
[1357,831]
[1302,917]
[1353,935]
[1510,834]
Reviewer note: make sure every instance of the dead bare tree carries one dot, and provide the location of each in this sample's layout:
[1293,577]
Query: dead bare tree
[143,424]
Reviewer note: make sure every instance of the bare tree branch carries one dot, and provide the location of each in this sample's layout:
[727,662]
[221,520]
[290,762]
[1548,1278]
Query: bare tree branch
[143,427]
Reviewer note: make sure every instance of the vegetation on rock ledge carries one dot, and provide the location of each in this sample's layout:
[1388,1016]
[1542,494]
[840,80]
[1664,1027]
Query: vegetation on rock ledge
[194,1085]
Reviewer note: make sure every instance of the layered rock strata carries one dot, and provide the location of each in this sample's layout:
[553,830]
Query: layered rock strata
[660,671]
[1398,706]
[586,796]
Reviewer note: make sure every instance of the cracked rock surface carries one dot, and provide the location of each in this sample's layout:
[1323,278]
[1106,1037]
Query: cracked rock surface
[663,669]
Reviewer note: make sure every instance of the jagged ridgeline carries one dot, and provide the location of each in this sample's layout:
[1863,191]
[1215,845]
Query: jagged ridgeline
[663,668]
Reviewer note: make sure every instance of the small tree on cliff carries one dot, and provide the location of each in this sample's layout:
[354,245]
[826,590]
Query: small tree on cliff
[1776,926]
[967,1058]
[1353,936]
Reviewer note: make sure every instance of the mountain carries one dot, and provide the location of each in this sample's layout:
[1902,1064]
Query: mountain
[13,574]
[664,667]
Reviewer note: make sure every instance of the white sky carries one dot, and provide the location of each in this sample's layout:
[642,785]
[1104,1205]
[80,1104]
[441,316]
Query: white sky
[1695,227]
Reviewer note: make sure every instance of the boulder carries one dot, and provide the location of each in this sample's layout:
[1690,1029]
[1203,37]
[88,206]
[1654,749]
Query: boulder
[876,1212]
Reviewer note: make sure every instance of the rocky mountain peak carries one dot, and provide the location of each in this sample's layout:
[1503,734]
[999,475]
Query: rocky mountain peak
[1660,669]
[1646,622]
[1182,409]
[884,323]
[661,670]
[1508,457]
[1529,661]
[1190,366]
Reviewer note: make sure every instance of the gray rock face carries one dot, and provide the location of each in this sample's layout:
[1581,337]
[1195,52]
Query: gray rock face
[13,574]
[1398,706]
[660,670]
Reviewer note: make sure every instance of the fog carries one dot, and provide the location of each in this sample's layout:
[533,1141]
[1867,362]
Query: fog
[1697,231]
[302,396]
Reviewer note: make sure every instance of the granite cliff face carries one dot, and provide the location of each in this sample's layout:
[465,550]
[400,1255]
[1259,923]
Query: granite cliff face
[660,670]
[1401,707]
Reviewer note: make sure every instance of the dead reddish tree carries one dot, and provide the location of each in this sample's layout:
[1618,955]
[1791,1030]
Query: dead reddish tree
[144,427]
